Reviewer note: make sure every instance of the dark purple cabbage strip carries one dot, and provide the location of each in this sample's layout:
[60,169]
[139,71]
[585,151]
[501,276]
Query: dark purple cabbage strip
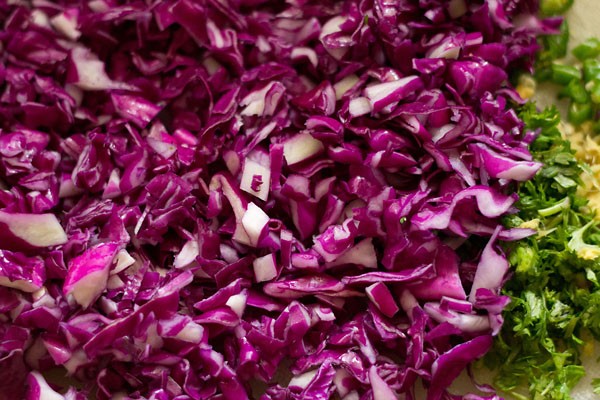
[198,196]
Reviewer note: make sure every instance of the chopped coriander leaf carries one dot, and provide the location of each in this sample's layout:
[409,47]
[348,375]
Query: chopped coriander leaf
[555,291]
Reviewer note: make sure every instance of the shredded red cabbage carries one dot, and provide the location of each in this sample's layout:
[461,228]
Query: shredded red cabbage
[198,195]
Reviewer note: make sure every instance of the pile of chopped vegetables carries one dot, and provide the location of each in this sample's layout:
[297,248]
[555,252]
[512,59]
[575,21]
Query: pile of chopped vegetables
[552,306]
[553,318]
[197,192]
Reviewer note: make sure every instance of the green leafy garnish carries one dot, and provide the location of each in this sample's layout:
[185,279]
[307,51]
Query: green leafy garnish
[555,294]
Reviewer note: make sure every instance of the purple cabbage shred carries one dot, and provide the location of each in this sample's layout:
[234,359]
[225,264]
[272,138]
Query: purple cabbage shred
[235,199]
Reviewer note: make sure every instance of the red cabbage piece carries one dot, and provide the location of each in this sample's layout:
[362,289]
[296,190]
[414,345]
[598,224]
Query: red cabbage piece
[200,197]
[38,388]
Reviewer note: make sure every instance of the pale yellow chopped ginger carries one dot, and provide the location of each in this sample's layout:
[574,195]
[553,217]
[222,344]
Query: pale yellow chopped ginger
[526,87]
[587,151]
[532,224]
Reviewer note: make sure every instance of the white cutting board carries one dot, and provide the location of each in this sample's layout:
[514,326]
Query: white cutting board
[584,20]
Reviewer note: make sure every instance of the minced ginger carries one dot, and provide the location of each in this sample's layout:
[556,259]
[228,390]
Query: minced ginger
[526,87]
[587,151]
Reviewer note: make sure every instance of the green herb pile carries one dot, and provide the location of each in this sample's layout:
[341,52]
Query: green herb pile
[555,288]
[555,294]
